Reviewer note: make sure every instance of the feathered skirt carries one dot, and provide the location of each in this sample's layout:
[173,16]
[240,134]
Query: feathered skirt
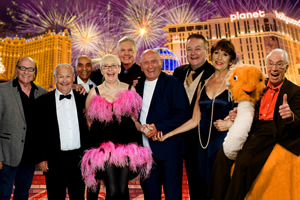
[137,158]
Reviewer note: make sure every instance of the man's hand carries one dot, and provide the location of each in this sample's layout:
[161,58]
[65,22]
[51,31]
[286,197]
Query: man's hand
[135,82]
[149,130]
[43,166]
[285,111]
[79,88]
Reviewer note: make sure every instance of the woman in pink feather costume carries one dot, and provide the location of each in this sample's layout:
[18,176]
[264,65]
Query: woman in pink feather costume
[116,154]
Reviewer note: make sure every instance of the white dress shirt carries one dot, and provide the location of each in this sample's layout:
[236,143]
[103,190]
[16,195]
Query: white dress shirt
[85,85]
[147,97]
[67,118]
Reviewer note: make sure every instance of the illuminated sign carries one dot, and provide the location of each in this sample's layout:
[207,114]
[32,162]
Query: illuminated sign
[175,37]
[249,15]
[287,19]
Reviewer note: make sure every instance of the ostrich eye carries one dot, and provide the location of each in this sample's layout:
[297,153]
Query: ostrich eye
[235,78]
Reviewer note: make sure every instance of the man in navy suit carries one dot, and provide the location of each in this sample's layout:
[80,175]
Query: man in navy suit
[62,131]
[165,107]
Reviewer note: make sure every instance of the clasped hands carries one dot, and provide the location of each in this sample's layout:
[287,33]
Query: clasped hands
[150,131]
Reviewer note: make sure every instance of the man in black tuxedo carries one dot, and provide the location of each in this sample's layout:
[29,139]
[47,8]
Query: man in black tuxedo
[84,68]
[62,129]
[130,71]
[191,75]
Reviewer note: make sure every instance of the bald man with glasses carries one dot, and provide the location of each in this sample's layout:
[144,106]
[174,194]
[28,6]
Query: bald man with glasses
[17,101]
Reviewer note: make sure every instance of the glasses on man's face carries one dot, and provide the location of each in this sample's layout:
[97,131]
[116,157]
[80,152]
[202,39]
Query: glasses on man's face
[106,67]
[277,65]
[22,68]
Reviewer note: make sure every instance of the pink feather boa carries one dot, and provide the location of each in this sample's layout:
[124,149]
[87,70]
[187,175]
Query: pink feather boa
[127,103]
[140,159]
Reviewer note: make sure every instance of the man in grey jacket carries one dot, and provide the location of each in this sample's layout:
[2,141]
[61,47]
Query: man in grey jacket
[17,100]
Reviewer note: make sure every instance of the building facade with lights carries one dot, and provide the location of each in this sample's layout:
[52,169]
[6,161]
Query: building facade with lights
[48,50]
[253,35]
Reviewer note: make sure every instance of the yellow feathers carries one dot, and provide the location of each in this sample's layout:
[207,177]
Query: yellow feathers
[247,83]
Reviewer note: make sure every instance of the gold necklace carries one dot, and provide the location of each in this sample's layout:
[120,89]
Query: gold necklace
[212,111]
[111,91]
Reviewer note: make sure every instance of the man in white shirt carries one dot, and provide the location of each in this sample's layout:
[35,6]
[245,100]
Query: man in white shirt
[165,107]
[84,68]
[62,128]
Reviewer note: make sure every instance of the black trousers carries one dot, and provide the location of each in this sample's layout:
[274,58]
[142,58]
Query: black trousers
[65,175]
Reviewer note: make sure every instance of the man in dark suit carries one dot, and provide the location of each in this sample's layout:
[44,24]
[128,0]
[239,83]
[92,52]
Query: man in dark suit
[165,107]
[84,68]
[130,71]
[191,75]
[198,68]
[278,122]
[17,101]
[62,128]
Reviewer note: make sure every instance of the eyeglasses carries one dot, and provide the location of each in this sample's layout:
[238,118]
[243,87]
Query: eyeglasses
[279,64]
[106,67]
[22,68]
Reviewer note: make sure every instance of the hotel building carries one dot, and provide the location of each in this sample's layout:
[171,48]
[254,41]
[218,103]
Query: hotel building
[253,35]
[48,50]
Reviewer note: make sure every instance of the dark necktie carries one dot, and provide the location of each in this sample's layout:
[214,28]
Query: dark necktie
[91,86]
[68,96]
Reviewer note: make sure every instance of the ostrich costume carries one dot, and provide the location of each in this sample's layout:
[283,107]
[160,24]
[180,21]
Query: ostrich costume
[246,85]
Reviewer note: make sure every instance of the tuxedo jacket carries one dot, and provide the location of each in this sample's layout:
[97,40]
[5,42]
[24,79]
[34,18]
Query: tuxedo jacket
[96,77]
[12,123]
[48,130]
[181,73]
[169,108]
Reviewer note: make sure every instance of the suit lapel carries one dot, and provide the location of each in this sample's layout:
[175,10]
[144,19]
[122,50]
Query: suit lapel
[18,100]
[53,114]
[158,87]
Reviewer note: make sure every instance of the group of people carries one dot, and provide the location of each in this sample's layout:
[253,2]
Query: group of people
[139,121]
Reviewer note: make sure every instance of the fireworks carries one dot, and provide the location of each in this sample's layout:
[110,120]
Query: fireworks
[38,16]
[187,11]
[227,7]
[96,27]
[143,20]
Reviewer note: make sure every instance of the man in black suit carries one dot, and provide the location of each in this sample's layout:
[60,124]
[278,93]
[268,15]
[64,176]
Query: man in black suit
[84,68]
[62,128]
[191,75]
[198,68]
[130,71]
[165,107]
[277,122]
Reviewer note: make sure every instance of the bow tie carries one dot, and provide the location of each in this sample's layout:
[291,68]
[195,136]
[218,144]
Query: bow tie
[68,96]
